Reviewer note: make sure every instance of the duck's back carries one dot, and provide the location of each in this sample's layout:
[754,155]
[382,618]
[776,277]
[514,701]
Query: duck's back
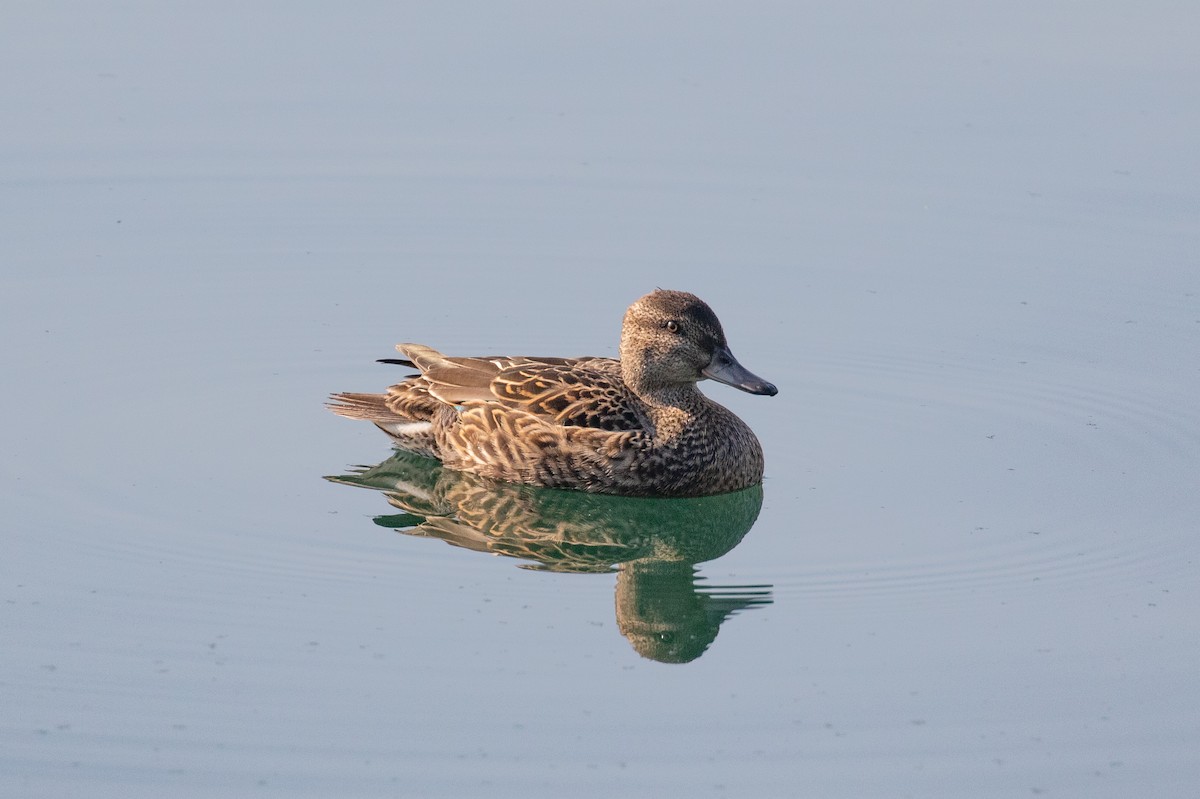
[571,392]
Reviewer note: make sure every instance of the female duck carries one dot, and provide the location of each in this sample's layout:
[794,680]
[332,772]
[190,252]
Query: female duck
[637,426]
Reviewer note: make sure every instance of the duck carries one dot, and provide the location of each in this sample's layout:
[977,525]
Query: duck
[637,425]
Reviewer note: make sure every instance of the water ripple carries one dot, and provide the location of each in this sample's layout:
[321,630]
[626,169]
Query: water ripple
[1071,474]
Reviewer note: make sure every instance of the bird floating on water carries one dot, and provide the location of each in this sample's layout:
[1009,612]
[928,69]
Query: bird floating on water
[637,426]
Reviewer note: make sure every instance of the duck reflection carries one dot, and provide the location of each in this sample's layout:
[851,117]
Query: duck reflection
[664,608]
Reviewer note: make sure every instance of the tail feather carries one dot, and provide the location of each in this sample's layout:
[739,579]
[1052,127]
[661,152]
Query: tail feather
[400,361]
[371,407]
[407,432]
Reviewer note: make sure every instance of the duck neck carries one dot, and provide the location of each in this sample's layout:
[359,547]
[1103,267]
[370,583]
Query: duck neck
[673,410]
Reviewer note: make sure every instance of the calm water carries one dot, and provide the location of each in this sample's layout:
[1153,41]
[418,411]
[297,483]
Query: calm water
[963,243]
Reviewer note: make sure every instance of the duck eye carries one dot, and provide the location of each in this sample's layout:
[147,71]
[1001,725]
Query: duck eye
[672,326]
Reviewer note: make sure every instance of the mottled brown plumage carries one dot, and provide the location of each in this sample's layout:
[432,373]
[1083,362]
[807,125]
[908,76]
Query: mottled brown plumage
[638,426]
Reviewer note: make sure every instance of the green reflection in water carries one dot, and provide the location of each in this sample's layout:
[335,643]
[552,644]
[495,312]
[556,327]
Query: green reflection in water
[663,606]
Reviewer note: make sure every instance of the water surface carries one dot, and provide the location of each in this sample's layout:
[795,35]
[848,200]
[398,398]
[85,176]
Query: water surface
[962,243]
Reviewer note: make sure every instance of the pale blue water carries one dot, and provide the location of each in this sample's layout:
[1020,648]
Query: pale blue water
[962,242]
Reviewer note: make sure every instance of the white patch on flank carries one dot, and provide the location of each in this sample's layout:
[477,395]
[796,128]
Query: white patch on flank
[409,428]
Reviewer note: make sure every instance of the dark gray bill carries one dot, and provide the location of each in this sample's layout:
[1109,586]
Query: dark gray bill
[724,368]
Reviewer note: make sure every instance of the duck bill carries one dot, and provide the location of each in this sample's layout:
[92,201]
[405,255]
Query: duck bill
[724,368]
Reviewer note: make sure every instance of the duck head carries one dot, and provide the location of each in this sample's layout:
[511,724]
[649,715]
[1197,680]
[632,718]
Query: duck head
[672,339]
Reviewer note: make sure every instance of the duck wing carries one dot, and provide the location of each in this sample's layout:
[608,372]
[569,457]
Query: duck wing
[574,392]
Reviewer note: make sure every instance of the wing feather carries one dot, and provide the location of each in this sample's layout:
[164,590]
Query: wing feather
[575,392]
